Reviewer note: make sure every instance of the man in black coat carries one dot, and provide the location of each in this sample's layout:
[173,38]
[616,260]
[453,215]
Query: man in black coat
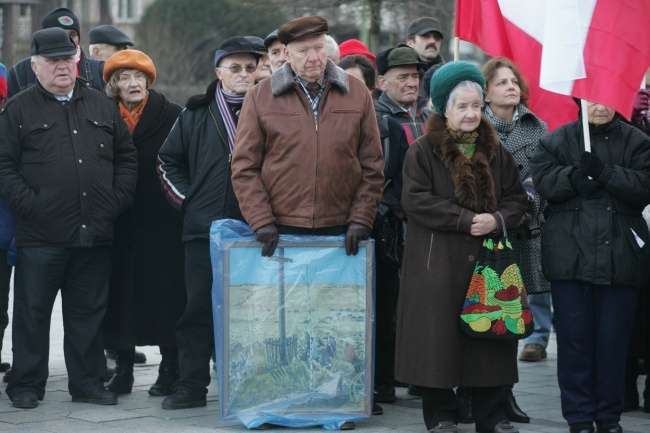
[89,71]
[194,168]
[68,168]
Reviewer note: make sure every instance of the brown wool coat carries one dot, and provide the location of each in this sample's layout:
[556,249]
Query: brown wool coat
[443,190]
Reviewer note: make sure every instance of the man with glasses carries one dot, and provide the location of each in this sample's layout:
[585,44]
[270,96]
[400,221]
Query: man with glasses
[68,168]
[194,169]
[89,71]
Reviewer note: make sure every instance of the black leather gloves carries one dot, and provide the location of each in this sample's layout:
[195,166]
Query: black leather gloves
[591,165]
[587,188]
[269,236]
[356,232]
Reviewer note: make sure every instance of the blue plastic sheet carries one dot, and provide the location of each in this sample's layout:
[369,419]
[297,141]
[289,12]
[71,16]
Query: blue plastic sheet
[293,332]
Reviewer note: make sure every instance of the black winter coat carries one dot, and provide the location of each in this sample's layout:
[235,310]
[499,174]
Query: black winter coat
[194,167]
[21,76]
[68,169]
[593,240]
[147,289]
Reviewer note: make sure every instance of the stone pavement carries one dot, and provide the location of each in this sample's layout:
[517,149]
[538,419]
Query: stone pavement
[537,393]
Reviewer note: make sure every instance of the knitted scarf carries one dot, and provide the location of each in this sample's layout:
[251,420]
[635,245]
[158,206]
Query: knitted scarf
[230,106]
[466,141]
[131,118]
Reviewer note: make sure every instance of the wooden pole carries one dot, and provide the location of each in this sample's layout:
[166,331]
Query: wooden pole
[456,49]
[585,125]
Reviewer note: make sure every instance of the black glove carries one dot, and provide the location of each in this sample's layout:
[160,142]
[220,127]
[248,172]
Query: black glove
[587,188]
[269,236]
[591,165]
[356,232]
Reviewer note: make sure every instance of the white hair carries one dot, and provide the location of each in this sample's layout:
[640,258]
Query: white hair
[464,85]
[333,51]
[34,58]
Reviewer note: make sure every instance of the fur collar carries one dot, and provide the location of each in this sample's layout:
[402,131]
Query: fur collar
[473,183]
[282,79]
[198,101]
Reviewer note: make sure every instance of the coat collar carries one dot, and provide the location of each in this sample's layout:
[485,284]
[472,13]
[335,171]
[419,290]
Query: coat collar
[473,183]
[198,101]
[282,79]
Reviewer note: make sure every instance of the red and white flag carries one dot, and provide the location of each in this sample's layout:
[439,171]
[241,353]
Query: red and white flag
[597,50]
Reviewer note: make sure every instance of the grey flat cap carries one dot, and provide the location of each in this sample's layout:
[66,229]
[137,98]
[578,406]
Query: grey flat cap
[108,34]
[52,42]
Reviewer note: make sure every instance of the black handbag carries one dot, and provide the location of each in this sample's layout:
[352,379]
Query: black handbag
[496,304]
[389,229]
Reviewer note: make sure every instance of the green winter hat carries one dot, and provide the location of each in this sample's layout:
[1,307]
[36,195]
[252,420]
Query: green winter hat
[447,77]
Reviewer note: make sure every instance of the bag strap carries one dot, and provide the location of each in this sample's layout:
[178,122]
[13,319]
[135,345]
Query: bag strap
[503,225]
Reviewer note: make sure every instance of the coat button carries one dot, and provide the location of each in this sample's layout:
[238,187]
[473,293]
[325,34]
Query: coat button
[80,161]
[470,258]
[606,242]
[83,226]
[74,131]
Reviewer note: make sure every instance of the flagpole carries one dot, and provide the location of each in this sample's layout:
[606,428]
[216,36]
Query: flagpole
[456,49]
[585,125]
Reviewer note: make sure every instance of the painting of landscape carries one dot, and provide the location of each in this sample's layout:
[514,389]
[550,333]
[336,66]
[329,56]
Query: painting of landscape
[299,329]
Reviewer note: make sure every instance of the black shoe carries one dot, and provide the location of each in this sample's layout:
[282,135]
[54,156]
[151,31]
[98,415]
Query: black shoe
[464,405]
[377,410]
[97,396]
[4,366]
[164,384]
[505,427]
[511,408]
[7,376]
[608,426]
[385,394]
[121,382]
[414,390]
[348,425]
[444,427]
[183,400]
[25,400]
[582,427]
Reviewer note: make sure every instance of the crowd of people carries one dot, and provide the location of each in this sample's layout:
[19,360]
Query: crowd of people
[108,190]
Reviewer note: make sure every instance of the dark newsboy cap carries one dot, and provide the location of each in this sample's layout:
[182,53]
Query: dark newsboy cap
[302,27]
[401,55]
[422,26]
[235,45]
[52,42]
[108,34]
[258,43]
[272,37]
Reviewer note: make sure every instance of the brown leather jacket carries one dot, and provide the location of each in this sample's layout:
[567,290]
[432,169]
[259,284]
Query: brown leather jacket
[290,171]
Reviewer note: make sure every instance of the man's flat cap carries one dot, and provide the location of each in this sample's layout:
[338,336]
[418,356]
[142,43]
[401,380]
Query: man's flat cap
[423,26]
[272,37]
[235,45]
[302,27]
[52,42]
[258,43]
[108,34]
[401,55]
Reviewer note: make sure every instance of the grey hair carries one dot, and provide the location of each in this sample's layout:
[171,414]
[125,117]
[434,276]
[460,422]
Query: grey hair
[464,85]
[332,47]
[34,58]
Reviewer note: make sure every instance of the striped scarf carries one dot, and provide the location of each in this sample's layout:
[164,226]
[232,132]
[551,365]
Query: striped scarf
[230,106]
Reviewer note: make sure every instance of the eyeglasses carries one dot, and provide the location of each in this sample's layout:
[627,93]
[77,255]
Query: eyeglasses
[236,69]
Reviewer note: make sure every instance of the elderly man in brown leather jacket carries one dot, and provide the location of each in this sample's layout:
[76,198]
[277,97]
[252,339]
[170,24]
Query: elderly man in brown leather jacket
[307,157]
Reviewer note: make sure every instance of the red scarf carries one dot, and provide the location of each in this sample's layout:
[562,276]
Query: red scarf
[131,118]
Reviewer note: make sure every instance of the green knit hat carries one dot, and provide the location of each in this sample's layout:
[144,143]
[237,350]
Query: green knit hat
[447,77]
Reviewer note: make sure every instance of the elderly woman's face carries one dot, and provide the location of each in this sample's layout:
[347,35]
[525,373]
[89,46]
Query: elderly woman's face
[599,114]
[132,87]
[465,114]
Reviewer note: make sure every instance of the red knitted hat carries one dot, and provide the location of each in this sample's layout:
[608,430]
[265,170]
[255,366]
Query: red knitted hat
[355,46]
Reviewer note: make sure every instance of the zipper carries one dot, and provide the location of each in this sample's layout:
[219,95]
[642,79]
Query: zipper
[430,249]
[226,145]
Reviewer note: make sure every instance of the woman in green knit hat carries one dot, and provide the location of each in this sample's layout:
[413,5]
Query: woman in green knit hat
[456,178]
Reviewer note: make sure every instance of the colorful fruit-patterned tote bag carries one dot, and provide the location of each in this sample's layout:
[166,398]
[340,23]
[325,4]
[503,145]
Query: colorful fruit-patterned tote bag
[496,304]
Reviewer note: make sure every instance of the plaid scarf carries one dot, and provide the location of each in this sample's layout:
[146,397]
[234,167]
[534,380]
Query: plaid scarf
[312,101]
[230,106]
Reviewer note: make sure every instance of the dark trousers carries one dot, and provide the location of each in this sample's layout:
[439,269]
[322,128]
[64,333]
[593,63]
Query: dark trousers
[82,276]
[440,405]
[195,329]
[387,291]
[593,325]
[5,278]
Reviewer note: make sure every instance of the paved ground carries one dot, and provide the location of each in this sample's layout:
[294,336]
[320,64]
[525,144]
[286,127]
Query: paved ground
[537,393]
